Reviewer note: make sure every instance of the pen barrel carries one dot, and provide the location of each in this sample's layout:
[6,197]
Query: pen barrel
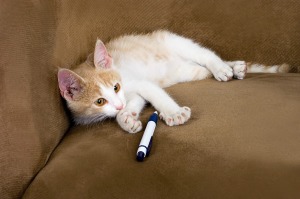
[144,144]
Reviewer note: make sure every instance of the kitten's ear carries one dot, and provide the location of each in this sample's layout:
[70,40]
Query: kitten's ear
[70,84]
[101,57]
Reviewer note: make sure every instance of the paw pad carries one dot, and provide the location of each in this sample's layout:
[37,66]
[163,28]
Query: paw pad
[129,122]
[178,117]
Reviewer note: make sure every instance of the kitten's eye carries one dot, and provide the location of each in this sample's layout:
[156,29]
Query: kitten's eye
[100,102]
[117,87]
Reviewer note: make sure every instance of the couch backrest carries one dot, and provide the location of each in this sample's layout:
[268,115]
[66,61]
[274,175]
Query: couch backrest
[261,31]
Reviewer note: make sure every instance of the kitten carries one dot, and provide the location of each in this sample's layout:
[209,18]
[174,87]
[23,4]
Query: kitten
[118,79]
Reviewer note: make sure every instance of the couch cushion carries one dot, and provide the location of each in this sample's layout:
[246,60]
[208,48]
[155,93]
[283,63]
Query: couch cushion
[242,142]
[32,118]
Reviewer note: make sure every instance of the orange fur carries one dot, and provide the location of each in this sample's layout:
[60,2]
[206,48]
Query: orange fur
[92,77]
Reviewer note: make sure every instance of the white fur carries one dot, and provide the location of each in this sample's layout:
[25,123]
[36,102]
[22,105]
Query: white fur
[239,68]
[115,100]
[148,63]
[258,68]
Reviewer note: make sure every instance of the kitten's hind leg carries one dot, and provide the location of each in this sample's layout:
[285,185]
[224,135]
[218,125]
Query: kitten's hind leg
[127,118]
[189,50]
[239,68]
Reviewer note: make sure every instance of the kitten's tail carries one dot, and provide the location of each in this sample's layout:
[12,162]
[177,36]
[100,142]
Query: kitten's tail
[260,68]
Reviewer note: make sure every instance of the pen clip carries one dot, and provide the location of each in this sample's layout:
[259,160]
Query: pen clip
[149,147]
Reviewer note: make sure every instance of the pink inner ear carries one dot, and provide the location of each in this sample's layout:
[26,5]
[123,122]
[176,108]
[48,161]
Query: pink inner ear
[69,84]
[101,57]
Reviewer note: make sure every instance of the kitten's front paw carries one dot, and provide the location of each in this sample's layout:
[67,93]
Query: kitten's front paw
[176,118]
[128,122]
[224,73]
[239,69]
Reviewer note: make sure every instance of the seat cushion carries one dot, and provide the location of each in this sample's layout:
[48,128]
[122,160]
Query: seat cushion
[242,141]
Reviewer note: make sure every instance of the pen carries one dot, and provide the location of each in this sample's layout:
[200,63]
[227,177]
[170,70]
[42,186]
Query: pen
[146,142]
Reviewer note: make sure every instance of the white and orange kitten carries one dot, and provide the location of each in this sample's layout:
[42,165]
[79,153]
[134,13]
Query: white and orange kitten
[119,78]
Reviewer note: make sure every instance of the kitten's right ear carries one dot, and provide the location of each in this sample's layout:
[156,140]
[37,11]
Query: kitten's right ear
[70,84]
[101,57]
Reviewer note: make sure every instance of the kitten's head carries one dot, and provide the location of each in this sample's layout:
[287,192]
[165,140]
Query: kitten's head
[93,90]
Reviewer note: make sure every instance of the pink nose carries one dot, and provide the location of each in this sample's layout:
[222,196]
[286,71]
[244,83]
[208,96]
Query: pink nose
[119,107]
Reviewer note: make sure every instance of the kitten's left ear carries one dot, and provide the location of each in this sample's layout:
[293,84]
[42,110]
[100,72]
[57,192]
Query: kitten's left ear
[70,84]
[101,57]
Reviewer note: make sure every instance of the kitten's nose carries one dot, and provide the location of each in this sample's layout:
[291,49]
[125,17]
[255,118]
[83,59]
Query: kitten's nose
[119,107]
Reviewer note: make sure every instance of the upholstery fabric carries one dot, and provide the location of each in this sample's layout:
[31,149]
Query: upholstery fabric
[241,142]
[257,154]
[32,118]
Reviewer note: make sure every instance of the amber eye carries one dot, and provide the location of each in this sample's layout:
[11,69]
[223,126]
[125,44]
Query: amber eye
[100,102]
[117,87]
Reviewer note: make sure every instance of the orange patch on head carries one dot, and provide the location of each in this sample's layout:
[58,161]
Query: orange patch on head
[84,105]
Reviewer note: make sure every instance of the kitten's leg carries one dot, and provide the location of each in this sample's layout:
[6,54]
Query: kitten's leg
[169,110]
[189,50]
[239,68]
[127,118]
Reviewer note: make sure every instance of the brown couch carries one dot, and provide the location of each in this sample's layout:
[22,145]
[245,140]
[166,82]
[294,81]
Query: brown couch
[242,140]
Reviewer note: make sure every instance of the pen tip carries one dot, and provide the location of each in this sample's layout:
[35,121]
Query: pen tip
[140,156]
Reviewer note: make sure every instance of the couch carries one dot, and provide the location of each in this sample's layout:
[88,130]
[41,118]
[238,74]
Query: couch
[242,140]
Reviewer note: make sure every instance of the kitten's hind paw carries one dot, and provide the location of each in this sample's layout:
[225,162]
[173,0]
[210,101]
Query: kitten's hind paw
[239,69]
[128,122]
[178,117]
